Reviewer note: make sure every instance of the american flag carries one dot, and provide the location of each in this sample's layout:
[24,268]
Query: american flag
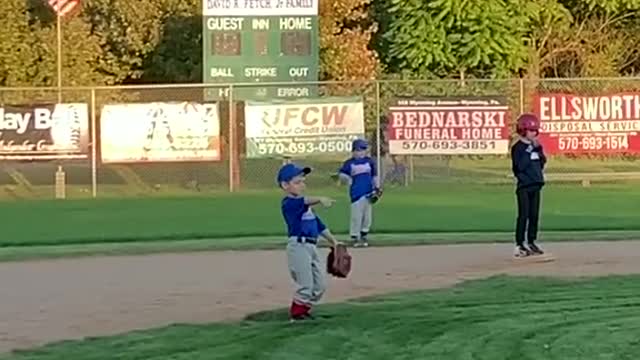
[63,7]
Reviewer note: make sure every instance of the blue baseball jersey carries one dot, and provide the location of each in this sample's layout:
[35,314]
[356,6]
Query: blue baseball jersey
[300,219]
[362,171]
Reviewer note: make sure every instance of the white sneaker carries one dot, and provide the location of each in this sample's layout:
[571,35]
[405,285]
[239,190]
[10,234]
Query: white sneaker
[521,251]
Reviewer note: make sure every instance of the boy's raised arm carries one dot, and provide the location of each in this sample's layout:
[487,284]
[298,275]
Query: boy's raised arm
[315,200]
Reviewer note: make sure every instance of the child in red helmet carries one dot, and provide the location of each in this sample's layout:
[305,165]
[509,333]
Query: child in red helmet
[527,162]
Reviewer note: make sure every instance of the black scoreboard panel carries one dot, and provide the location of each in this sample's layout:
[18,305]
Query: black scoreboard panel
[226,44]
[295,43]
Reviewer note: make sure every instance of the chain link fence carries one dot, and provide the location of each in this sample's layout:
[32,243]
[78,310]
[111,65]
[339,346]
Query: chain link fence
[232,170]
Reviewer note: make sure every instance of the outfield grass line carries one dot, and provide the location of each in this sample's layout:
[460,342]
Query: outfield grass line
[241,236]
[462,321]
[23,253]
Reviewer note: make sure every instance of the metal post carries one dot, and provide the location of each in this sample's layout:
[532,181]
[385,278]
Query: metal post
[378,137]
[94,144]
[411,169]
[521,95]
[60,181]
[59,51]
[232,142]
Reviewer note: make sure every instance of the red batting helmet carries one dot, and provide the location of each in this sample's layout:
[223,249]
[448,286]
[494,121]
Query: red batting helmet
[528,121]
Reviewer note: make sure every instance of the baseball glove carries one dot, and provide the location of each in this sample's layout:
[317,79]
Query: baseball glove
[375,195]
[339,261]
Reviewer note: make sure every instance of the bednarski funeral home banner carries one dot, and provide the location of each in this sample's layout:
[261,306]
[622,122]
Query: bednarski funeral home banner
[449,125]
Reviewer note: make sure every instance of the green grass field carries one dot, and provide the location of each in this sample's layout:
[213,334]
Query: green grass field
[173,207]
[582,320]
[447,208]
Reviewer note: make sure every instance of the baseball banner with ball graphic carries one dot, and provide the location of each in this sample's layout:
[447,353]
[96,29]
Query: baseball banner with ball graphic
[44,131]
[159,132]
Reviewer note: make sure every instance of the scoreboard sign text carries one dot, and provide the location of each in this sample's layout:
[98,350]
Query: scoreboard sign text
[589,124]
[299,128]
[265,7]
[446,125]
[259,41]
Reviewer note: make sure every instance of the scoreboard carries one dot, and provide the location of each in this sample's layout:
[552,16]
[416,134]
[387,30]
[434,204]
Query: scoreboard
[259,41]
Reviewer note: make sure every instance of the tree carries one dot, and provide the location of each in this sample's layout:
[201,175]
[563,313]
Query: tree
[584,38]
[128,32]
[178,55]
[148,40]
[28,47]
[18,47]
[345,35]
[480,38]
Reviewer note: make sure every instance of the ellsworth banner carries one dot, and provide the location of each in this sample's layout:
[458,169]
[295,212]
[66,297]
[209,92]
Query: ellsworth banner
[161,131]
[44,131]
[449,125]
[303,127]
[577,124]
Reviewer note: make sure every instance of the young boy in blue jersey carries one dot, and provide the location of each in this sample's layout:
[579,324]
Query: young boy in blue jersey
[304,228]
[361,174]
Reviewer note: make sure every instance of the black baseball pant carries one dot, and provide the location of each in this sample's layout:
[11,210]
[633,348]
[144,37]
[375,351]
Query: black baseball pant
[528,215]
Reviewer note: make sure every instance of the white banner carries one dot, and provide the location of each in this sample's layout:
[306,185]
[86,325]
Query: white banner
[304,118]
[150,132]
[259,7]
[303,127]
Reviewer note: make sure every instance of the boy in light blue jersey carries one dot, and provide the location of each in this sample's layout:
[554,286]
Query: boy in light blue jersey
[304,228]
[361,174]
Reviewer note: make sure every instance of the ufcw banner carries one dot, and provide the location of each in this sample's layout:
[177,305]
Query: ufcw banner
[44,132]
[150,132]
[304,127]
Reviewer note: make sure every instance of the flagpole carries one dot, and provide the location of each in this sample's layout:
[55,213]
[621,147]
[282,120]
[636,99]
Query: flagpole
[59,45]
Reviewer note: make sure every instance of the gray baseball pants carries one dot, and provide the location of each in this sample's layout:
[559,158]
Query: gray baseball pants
[361,217]
[305,267]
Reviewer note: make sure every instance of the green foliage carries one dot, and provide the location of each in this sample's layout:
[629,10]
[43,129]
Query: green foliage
[160,41]
[28,48]
[584,38]
[18,51]
[147,40]
[458,36]
[610,6]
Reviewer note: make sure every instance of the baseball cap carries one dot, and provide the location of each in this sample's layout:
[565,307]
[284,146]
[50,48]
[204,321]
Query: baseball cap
[291,170]
[359,145]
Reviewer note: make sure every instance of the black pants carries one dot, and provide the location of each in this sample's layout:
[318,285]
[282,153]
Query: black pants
[528,213]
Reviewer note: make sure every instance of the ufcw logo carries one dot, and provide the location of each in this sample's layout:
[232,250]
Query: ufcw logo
[308,116]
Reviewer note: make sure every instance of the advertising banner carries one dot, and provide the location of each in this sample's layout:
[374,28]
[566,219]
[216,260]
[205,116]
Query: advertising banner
[161,131]
[449,125]
[304,127]
[44,131]
[574,124]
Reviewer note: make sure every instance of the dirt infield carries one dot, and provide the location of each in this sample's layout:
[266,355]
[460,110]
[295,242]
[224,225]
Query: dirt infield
[45,301]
